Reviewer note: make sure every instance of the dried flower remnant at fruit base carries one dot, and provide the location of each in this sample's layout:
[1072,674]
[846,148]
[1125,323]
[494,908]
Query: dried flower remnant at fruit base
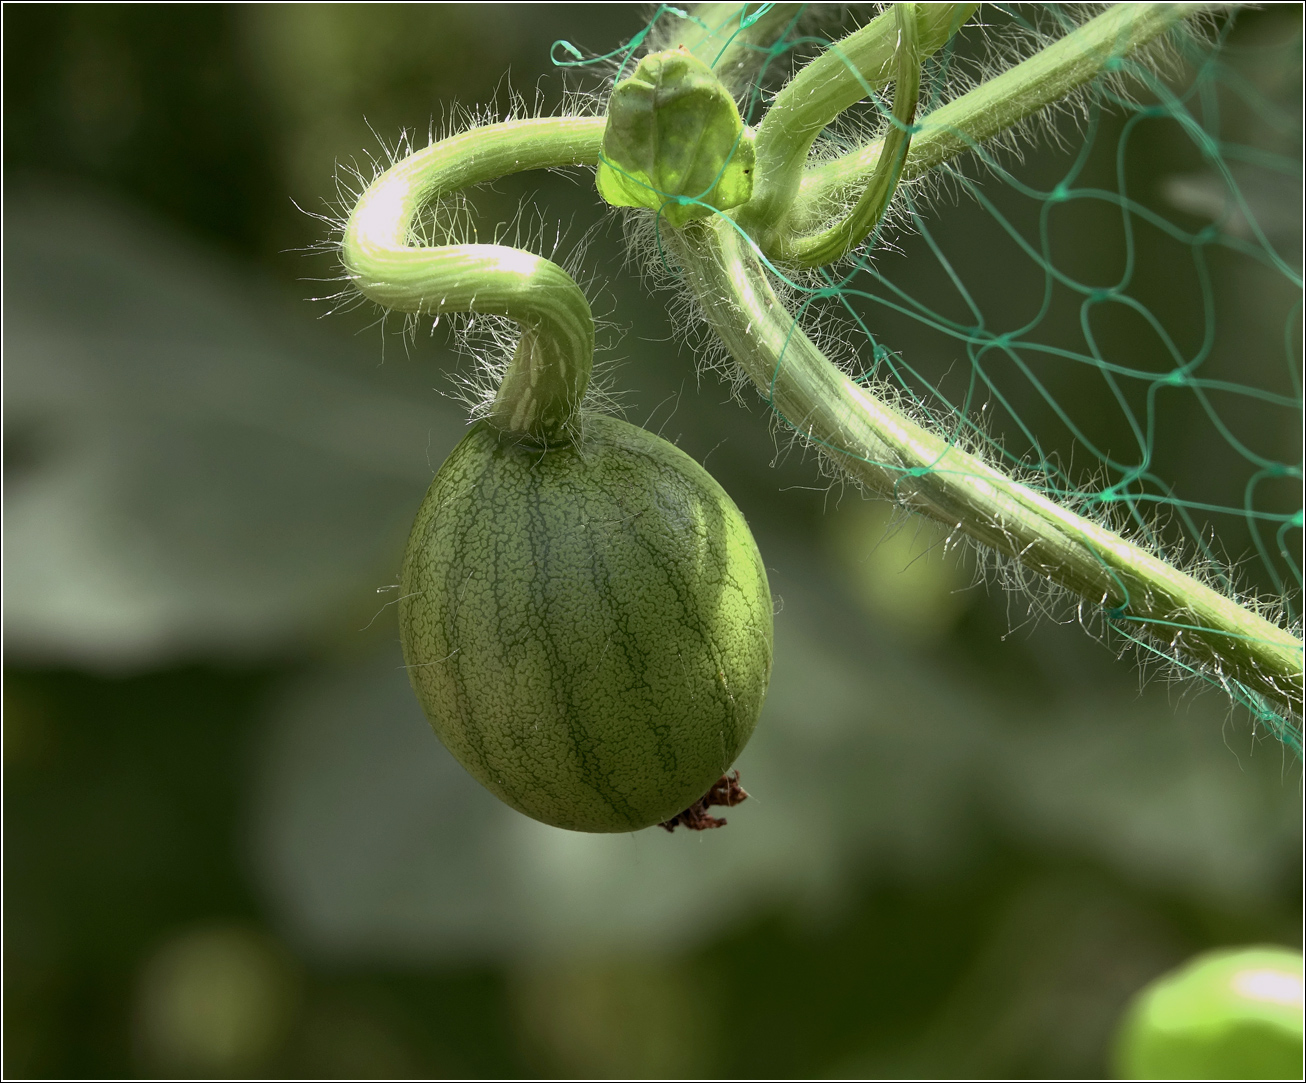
[727,792]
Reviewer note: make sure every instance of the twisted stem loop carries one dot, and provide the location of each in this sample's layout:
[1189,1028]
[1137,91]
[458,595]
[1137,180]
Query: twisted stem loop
[836,242]
[550,370]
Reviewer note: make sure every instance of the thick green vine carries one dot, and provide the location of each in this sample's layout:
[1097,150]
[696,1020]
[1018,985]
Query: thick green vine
[803,214]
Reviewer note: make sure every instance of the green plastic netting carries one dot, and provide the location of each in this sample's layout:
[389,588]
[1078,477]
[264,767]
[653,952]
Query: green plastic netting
[1107,301]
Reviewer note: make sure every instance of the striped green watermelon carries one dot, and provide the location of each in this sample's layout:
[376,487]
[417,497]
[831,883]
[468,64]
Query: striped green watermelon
[587,628]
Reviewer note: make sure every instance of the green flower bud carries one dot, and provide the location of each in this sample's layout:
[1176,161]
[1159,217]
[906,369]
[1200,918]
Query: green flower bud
[674,136]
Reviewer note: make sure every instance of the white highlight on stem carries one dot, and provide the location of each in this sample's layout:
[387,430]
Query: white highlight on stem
[546,380]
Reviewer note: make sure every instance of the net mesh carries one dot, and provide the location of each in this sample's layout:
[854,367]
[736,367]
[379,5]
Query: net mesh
[1108,302]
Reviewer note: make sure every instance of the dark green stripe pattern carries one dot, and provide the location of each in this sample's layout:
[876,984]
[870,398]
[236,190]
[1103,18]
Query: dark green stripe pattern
[587,628]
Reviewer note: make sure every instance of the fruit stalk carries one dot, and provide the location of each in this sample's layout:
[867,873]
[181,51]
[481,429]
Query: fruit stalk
[546,379]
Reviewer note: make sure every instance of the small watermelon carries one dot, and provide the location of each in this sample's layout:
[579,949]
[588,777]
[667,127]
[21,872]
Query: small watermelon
[1233,1014]
[588,628]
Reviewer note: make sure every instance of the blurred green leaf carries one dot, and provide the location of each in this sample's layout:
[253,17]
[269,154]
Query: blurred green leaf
[194,475]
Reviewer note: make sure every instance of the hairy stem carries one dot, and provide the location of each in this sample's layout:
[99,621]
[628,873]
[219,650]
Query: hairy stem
[731,40]
[841,238]
[994,106]
[863,61]
[894,456]
[550,369]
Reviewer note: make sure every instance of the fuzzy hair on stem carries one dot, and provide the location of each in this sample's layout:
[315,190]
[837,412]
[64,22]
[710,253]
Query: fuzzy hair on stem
[540,396]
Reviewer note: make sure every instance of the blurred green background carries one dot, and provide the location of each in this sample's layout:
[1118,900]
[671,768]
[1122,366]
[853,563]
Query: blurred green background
[232,845]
